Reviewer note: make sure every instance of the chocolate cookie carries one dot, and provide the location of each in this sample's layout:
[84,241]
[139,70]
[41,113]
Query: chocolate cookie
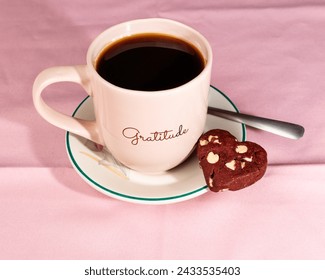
[228,164]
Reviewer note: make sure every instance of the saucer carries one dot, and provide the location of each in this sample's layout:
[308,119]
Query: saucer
[184,182]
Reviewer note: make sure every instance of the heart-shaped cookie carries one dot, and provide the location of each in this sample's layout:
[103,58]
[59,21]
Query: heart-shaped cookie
[228,164]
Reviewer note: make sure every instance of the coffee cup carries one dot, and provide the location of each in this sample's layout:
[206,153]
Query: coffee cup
[149,81]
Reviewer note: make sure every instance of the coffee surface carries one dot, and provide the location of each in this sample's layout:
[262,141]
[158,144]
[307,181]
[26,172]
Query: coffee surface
[149,62]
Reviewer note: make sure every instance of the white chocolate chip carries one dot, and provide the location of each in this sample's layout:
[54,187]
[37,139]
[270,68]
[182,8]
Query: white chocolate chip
[231,164]
[249,159]
[211,182]
[224,190]
[212,137]
[242,164]
[203,142]
[241,149]
[212,158]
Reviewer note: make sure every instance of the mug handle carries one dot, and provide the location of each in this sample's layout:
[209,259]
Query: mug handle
[75,74]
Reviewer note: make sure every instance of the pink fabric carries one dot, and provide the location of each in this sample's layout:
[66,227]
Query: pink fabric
[269,59]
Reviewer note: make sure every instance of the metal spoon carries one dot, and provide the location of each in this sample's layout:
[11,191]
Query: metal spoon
[285,129]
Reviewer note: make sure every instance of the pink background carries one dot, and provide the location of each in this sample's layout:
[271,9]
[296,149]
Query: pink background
[268,58]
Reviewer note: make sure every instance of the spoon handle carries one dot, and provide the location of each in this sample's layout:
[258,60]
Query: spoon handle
[285,129]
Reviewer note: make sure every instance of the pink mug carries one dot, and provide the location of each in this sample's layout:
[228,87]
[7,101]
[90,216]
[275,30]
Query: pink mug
[149,131]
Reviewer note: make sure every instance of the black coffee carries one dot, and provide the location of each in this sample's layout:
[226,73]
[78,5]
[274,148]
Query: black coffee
[149,62]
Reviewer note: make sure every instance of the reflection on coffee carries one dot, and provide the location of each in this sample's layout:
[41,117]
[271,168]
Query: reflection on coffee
[149,62]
